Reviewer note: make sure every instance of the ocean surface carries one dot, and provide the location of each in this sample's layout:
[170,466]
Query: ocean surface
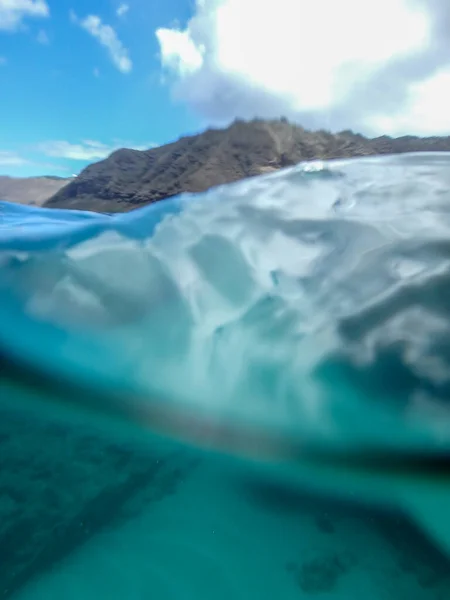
[238,394]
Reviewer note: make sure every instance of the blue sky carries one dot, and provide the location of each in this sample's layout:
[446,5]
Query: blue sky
[62,94]
[79,78]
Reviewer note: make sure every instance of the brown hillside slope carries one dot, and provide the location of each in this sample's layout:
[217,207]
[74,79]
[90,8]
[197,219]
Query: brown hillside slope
[30,190]
[130,178]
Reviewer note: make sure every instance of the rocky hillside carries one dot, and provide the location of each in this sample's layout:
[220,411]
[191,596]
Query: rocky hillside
[30,190]
[130,178]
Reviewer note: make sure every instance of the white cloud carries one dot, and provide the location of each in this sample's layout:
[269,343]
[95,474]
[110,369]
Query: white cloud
[426,110]
[43,38]
[351,63]
[11,158]
[180,53]
[86,150]
[13,12]
[107,37]
[122,10]
[8,158]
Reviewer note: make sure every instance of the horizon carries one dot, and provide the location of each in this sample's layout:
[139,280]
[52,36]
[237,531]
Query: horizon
[80,80]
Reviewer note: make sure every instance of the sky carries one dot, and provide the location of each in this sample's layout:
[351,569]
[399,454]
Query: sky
[81,78]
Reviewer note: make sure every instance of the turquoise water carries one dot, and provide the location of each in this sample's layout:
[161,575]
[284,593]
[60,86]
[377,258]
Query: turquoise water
[237,394]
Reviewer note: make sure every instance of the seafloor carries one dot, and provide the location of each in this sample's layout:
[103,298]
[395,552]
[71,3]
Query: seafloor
[83,517]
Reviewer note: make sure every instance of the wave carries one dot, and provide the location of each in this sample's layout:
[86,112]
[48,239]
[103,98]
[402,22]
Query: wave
[314,299]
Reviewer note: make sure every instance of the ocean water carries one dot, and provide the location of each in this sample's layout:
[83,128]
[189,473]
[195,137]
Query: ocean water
[243,393]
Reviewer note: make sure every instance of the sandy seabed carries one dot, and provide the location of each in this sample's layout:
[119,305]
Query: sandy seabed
[85,519]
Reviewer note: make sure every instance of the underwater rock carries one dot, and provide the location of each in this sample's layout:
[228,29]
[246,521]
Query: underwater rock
[321,574]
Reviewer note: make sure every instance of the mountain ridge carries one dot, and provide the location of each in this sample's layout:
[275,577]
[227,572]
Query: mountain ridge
[129,178]
[30,190]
